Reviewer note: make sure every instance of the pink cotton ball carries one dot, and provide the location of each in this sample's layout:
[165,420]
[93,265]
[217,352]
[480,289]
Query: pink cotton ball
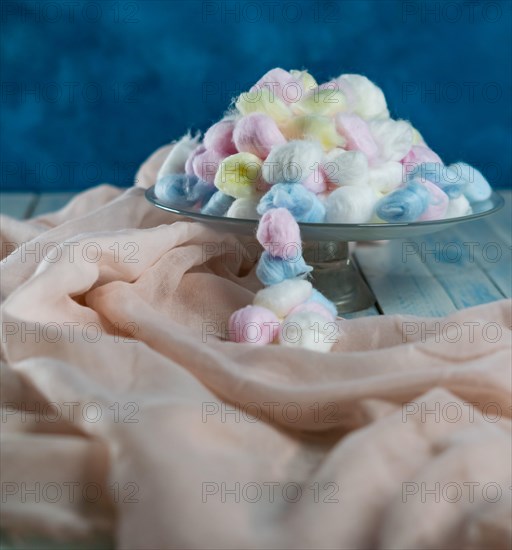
[313,307]
[279,234]
[419,154]
[206,164]
[358,135]
[189,166]
[438,203]
[281,83]
[316,181]
[219,137]
[253,325]
[257,133]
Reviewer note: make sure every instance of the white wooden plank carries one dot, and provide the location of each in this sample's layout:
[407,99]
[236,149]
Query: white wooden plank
[401,282]
[501,221]
[490,253]
[453,263]
[50,202]
[16,205]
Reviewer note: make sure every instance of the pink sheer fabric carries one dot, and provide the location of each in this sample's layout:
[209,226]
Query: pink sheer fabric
[395,439]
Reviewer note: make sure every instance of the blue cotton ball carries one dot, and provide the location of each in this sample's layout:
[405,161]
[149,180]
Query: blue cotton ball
[319,298]
[302,204]
[218,204]
[447,179]
[201,192]
[183,190]
[272,270]
[405,204]
[477,188]
[176,189]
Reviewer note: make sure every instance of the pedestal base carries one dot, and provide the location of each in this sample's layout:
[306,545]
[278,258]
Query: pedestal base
[336,276]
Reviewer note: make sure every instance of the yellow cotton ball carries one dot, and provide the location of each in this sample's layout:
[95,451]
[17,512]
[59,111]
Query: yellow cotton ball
[315,128]
[323,129]
[326,102]
[263,100]
[239,175]
[307,81]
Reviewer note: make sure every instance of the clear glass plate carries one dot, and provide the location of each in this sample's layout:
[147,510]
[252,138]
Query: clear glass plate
[337,231]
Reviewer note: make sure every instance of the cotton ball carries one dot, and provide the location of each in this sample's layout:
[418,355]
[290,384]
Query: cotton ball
[386,177]
[292,162]
[437,204]
[201,192]
[305,79]
[177,157]
[313,307]
[283,297]
[394,138]
[420,154]
[244,209]
[450,180]
[280,83]
[302,204]
[320,299]
[314,128]
[206,165]
[366,99]
[239,175]
[322,101]
[477,188]
[272,270]
[352,204]
[406,204]
[279,234]
[189,165]
[175,189]
[318,303]
[263,101]
[188,190]
[316,182]
[218,204]
[257,133]
[253,325]
[357,134]
[417,138]
[347,168]
[308,330]
[219,137]
[458,207]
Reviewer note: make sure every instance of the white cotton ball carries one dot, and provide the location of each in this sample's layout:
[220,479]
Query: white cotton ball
[458,207]
[394,138]
[176,159]
[386,177]
[292,162]
[283,297]
[308,330]
[347,168]
[351,204]
[244,208]
[367,99]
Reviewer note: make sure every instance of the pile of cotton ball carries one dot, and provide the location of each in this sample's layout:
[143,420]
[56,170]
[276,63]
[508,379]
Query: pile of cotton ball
[291,313]
[290,151]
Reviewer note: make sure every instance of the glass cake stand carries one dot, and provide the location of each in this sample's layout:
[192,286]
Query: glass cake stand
[326,248]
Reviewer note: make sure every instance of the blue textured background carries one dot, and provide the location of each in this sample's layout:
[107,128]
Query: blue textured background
[89,89]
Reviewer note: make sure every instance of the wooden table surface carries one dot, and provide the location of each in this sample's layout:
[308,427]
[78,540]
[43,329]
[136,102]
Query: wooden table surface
[433,275]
